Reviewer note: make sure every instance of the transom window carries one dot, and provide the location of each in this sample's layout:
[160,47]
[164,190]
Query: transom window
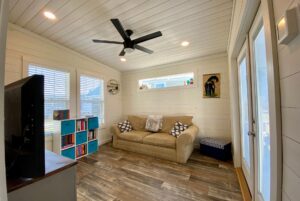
[168,81]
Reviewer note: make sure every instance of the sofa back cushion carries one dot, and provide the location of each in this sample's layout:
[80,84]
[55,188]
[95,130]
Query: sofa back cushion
[169,122]
[138,122]
[153,123]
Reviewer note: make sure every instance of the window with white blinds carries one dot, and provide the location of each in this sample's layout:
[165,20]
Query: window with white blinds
[91,97]
[56,92]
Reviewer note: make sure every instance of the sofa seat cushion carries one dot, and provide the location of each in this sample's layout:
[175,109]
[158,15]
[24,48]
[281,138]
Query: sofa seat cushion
[134,136]
[160,139]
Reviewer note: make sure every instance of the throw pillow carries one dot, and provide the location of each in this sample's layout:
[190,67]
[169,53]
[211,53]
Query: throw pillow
[153,123]
[178,129]
[125,126]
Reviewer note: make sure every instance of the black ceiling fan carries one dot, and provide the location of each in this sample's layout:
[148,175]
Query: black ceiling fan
[130,45]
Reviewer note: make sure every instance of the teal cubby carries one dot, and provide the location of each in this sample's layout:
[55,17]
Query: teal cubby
[93,123]
[70,138]
[67,127]
[92,146]
[81,137]
[69,153]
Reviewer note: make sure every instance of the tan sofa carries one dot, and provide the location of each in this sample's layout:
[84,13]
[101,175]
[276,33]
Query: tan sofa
[161,144]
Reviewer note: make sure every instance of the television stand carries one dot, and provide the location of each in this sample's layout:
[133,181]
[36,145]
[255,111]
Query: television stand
[58,183]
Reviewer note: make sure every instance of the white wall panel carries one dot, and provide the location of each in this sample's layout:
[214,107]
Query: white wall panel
[291,183]
[22,44]
[212,116]
[290,123]
[289,67]
[291,153]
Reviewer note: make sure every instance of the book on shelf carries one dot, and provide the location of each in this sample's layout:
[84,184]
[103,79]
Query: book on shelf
[80,125]
[67,140]
[91,135]
[81,150]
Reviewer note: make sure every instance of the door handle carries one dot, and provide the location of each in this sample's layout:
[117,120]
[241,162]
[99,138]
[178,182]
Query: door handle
[251,133]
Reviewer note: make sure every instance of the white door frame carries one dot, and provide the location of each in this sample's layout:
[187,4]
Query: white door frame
[248,172]
[274,102]
[3,33]
[247,15]
[254,30]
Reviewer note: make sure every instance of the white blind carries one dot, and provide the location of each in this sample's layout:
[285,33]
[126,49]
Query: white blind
[56,91]
[91,97]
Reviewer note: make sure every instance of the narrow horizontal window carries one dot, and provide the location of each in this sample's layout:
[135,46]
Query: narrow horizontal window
[177,80]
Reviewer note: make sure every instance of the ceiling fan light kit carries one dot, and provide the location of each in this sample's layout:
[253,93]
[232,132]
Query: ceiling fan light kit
[128,50]
[129,44]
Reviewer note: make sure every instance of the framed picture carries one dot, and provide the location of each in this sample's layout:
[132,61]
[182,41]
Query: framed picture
[113,86]
[211,85]
[61,114]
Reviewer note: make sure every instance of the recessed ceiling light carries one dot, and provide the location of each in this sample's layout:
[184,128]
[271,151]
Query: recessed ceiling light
[49,15]
[185,43]
[123,59]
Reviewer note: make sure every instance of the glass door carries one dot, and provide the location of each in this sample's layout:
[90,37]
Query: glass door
[245,104]
[261,109]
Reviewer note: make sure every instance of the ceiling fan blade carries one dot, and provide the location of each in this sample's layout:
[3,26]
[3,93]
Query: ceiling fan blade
[120,28]
[143,49]
[122,53]
[106,41]
[147,37]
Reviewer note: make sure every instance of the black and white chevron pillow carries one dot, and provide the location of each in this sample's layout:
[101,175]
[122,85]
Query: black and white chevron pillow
[125,126]
[178,129]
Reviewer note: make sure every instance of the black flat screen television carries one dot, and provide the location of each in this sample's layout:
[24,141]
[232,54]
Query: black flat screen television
[24,128]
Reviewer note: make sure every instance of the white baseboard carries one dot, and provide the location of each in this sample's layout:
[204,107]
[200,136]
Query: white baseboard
[102,142]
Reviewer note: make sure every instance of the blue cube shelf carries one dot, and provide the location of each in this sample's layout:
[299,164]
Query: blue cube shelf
[75,138]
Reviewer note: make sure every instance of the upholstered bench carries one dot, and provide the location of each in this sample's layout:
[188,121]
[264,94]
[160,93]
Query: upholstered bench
[217,148]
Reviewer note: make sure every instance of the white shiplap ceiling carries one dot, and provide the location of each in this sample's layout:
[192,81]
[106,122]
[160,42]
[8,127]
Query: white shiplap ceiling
[204,23]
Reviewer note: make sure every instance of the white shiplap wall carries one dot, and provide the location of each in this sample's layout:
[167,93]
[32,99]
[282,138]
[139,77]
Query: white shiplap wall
[212,116]
[22,45]
[289,66]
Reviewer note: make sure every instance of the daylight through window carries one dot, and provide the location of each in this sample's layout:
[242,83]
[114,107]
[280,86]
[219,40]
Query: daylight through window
[56,92]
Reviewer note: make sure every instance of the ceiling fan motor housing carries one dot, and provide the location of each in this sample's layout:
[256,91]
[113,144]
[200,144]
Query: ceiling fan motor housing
[128,44]
[129,32]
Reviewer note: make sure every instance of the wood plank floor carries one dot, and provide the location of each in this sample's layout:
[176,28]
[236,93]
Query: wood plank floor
[113,174]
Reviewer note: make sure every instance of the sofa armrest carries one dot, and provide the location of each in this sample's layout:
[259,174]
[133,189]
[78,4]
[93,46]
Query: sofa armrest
[188,136]
[115,129]
[116,132]
[185,143]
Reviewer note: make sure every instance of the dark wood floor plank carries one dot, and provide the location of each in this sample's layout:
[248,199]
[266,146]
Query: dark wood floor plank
[117,175]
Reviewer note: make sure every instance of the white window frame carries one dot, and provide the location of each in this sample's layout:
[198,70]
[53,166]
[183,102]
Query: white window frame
[53,66]
[169,88]
[97,76]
